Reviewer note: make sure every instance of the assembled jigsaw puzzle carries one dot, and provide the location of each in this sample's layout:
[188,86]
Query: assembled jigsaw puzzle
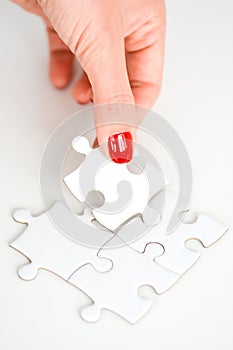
[111,271]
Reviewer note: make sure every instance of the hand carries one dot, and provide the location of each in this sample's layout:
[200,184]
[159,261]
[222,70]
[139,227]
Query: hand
[120,46]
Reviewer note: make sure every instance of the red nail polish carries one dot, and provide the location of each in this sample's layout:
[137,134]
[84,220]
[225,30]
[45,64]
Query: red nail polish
[120,147]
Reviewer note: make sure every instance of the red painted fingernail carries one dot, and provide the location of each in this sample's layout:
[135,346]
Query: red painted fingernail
[120,147]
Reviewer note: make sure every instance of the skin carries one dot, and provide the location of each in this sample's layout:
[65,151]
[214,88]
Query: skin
[119,44]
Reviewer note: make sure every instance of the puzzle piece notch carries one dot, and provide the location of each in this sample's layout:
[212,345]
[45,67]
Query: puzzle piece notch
[117,289]
[45,247]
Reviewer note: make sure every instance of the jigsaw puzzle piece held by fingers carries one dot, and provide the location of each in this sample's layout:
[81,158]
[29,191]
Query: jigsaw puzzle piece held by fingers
[97,173]
[132,200]
[177,256]
[116,290]
[46,247]
[114,214]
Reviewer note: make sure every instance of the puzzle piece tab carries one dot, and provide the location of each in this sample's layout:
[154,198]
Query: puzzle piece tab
[47,248]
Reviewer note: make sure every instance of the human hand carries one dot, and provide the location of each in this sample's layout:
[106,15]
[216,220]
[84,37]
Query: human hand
[120,46]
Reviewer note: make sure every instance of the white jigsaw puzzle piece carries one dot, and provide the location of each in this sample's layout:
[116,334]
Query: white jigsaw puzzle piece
[177,256]
[47,248]
[107,179]
[138,203]
[82,145]
[109,176]
[117,289]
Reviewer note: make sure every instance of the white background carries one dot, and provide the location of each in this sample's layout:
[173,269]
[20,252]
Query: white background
[197,313]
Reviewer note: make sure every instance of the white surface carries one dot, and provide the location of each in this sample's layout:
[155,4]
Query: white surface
[106,181]
[46,247]
[197,313]
[116,290]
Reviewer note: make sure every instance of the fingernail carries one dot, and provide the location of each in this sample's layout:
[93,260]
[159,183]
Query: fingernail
[120,147]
